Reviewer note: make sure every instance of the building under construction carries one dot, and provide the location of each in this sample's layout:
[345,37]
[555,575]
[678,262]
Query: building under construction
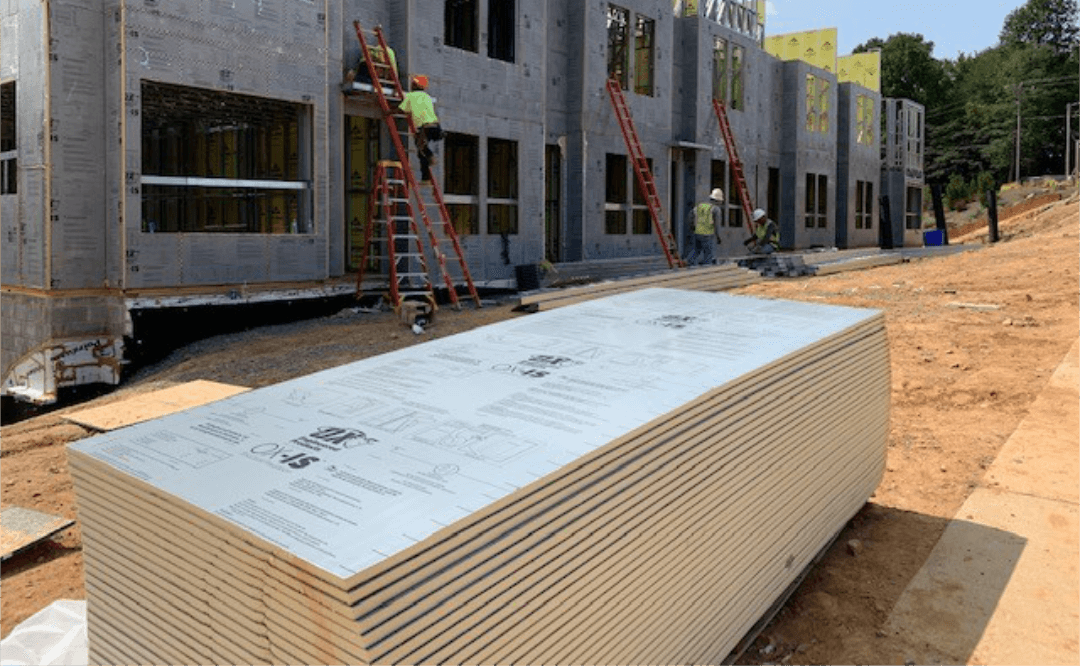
[164,154]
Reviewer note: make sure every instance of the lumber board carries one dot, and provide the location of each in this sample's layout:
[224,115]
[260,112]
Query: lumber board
[152,405]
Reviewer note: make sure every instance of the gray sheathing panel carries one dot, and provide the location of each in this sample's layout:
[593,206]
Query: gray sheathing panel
[560,67]
[24,224]
[755,126]
[9,39]
[114,156]
[491,98]
[77,144]
[652,116]
[806,152]
[333,211]
[856,162]
[275,48]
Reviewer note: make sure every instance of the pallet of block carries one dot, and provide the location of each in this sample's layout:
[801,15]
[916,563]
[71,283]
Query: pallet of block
[698,278]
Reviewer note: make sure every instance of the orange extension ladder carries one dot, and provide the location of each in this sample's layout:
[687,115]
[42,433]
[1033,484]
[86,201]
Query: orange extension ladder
[644,174]
[400,182]
[736,163]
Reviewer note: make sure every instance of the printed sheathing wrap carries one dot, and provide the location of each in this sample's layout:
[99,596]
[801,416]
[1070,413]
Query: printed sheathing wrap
[633,479]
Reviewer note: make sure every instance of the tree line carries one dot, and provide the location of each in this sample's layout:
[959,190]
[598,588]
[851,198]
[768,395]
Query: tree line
[975,104]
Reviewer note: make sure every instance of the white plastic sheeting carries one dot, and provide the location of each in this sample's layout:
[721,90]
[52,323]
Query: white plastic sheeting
[54,635]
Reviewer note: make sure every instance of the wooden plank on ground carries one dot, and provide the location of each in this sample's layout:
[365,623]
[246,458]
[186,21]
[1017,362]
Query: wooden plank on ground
[21,528]
[153,405]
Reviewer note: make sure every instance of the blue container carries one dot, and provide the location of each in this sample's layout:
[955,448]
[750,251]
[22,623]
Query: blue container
[932,237]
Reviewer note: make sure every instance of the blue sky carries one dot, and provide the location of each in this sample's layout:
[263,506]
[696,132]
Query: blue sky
[968,26]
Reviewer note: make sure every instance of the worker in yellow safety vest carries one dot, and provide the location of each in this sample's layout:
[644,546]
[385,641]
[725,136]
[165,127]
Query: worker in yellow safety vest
[766,238]
[422,108]
[707,220]
[361,73]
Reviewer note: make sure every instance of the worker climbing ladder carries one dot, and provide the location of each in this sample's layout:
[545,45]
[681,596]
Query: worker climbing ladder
[643,173]
[736,163]
[401,183]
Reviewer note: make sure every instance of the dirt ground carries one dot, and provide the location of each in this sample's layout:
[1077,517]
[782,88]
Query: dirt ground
[973,336]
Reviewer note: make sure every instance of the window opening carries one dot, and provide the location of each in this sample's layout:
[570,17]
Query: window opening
[502,19]
[618,25]
[361,155]
[773,194]
[462,187]
[823,201]
[718,178]
[811,102]
[502,191]
[864,204]
[615,194]
[810,207]
[865,120]
[720,74]
[913,215]
[644,55]
[642,220]
[223,162]
[461,30]
[737,61]
[552,202]
[9,154]
[823,105]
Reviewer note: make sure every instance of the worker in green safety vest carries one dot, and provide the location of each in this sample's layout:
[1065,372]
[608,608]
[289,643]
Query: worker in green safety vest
[766,238]
[422,108]
[361,74]
[707,221]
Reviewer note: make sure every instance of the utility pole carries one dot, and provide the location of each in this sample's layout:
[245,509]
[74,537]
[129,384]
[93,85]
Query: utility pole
[1019,87]
[1068,137]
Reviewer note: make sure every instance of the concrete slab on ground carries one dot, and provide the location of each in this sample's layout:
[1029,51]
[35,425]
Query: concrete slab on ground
[1002,585]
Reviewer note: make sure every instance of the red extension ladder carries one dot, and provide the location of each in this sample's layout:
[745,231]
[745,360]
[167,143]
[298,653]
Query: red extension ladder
[399,186]
[644,174]
[736,163]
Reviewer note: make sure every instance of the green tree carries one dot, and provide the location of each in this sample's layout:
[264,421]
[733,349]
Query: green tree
[1050,22]
[909,69]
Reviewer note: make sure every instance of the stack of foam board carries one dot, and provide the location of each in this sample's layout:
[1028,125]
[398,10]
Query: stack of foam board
[701,278]
[633,479]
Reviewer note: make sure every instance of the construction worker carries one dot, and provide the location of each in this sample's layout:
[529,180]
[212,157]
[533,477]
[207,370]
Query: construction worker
[707,221]
[766,238]
[361,73]
[422,108]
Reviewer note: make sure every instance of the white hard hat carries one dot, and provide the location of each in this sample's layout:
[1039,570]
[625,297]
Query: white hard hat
[758,214]
[717,194]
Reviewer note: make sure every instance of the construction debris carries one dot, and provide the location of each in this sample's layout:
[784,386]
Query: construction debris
[634,479]
[776,265]
[22,528]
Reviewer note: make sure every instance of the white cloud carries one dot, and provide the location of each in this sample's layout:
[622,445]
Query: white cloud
[770,9]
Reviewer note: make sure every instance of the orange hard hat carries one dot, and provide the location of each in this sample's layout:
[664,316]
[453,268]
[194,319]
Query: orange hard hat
[419,81]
